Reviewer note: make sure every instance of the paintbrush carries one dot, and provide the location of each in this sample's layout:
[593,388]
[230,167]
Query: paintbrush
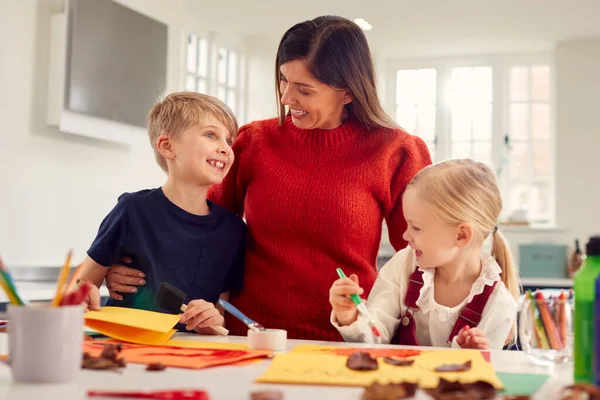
[172,299]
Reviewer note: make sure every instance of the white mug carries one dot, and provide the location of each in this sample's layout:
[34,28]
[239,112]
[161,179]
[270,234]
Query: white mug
[45,343]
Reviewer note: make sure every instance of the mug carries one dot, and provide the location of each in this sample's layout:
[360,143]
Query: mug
[45,343]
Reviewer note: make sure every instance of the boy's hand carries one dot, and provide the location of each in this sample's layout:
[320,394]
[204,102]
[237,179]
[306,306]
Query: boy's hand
[201,314]
[472,338]
[339,296]
[91,302]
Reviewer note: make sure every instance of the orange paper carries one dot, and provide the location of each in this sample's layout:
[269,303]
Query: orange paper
[133,325]
[192,358]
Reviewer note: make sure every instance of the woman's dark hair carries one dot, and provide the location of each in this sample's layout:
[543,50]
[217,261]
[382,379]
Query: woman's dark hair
[337,54]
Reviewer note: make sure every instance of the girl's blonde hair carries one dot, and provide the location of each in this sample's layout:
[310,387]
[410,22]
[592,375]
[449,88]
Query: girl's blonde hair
[466,191]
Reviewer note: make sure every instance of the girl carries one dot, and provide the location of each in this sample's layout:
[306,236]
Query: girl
[444,289]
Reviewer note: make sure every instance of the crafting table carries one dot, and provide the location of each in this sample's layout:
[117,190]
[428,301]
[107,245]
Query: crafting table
[236,382]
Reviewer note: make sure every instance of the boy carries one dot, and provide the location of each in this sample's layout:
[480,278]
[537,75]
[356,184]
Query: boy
[173,233]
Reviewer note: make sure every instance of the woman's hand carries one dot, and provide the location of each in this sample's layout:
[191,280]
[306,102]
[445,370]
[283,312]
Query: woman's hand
[123,279]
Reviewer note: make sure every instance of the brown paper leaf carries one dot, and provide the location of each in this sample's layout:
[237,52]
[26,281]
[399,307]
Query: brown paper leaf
[390,391]
[454,367]
[361,361]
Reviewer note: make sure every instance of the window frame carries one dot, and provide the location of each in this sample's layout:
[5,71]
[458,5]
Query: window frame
[501,64]
[211,78]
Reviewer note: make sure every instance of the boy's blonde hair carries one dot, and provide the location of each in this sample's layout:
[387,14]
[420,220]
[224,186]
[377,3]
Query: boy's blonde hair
[466,191]
[181,110]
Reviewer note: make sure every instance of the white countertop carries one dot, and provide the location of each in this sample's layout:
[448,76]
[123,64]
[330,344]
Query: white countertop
[547,282]
[235,383]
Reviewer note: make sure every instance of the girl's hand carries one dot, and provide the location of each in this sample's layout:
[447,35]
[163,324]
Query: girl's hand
[472,338]
[339,296]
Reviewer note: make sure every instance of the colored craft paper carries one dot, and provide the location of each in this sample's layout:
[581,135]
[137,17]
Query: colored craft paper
[521,384]
[330,369]
[346,351]
[374,352]
[132,325]
[193,358]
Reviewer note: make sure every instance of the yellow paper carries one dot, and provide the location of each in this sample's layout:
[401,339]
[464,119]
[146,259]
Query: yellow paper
[306,367]
[132,325]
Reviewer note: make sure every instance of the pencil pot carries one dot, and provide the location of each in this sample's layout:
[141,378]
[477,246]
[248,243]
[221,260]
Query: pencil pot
[45,343]
[545,328]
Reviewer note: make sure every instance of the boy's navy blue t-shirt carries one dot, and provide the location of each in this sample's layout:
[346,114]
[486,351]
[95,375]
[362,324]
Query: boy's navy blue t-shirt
[201,255]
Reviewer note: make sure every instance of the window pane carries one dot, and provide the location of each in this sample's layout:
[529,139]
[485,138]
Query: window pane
[231,100]
[232,69]
[431,147]
[461,150]
[461,86]
[425,127]
[425,86]
[221,93]
[482,84]
[540,82]
[406,116]
[519,121]
[540,202]
[540,124]
[519,84]
[222,65]
[519,159]
[405,87]
[202,86]
[518,198]
[541,158]
[203,57]
[482,152]
[482,122]
[190,84]
[242,85]
[192,59]
[461,122]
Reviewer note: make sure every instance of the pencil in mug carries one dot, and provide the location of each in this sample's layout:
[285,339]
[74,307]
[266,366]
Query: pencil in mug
[362,309]
[9,286]
[62,279]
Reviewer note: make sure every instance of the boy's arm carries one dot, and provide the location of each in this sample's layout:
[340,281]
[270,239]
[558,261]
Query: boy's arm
[94,273]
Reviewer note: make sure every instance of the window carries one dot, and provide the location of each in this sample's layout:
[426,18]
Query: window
[528,142]
[217,71]
[197,64]
[227,77]
[470,102]
[495,111]
[415,103]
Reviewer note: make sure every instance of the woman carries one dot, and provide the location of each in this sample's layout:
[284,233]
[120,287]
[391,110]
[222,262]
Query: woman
[315,185]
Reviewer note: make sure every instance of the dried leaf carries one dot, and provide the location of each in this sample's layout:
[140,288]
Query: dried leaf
[398,362]
[581,391]
[107,360]
[454,367]
[267,395]
[390,391]
[448,390]
[155,367]
[361,361]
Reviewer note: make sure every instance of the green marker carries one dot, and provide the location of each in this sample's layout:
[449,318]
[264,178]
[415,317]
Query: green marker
[362,309]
